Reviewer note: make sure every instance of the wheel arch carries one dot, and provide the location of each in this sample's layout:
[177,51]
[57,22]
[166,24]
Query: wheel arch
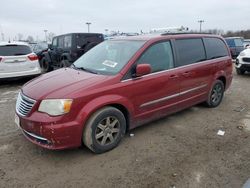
[119,102]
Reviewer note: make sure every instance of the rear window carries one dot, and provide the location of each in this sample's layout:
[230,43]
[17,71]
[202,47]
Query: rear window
[215,48]
[190,51]
[14,50]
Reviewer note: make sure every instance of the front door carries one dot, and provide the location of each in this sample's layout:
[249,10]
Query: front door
[155,94]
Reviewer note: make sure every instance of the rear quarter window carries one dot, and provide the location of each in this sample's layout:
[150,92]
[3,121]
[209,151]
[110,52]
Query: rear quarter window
[190,51]
[14,50]
[215,48]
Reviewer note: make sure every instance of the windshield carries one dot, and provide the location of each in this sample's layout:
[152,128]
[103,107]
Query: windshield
[14,50]
[109,57]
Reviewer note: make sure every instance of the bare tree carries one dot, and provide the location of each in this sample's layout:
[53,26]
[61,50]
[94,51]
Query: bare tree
[50,36]
[20,36]
[30,39]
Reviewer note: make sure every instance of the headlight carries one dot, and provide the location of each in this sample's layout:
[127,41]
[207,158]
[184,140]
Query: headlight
[55,107]
[242,53]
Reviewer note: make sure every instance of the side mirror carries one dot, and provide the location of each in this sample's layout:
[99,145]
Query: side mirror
[142,69]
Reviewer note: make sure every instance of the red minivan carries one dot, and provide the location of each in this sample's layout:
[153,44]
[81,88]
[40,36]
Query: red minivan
[121,84]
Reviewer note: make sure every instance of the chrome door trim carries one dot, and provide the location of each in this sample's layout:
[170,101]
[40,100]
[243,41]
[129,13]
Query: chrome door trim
[172,96]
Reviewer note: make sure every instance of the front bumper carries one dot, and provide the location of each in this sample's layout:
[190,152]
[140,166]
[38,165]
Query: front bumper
[50,132]
[241,64]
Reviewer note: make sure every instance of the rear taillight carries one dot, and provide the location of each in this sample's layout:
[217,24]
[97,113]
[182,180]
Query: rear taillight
[33,57]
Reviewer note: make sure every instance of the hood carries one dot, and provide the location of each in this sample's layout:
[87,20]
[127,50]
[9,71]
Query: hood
[62,82]
[246,52]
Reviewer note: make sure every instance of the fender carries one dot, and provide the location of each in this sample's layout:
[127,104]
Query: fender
[218,74]
[47,57]
[97,103]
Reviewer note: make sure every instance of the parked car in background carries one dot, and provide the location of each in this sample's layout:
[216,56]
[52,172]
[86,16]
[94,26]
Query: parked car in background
[235,45]
[246,43]
[121,84]
[65,49]
[242,63]
[17,60]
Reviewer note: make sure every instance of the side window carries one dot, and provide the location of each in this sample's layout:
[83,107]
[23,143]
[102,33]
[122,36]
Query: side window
[215,48]
[190,51]
[67,41]
[159,56]
[60,41]
[54,42]
[230,42]
[238,42]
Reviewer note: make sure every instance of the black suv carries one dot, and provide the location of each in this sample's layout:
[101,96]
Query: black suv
[67,48]
[235,45]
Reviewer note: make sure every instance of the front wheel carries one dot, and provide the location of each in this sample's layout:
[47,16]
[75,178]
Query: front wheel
[216,94]
[104,130]
[240,71]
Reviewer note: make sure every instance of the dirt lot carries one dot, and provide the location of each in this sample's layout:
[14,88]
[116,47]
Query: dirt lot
[182,150]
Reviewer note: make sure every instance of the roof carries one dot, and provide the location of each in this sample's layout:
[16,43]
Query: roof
[13,43]
[79,33]
[233,37]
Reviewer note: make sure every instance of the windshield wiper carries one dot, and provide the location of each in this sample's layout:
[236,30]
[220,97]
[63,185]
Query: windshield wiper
[84,69]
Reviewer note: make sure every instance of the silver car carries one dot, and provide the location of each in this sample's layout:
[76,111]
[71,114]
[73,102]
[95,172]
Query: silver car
[17,60]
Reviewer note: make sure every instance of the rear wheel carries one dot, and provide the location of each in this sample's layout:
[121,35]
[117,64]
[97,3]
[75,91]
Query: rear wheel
[104,130]
[239,71]
[216,94]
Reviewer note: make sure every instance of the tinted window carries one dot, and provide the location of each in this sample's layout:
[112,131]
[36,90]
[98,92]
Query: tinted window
[159,56]
[60,42]
[215,48]
[190,51]
[67,41]
[14,50]
[54,42]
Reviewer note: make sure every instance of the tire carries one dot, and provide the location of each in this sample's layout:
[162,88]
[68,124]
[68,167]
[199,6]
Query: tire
[45,65]
[240,71]
[104,130]
[216,94]
[64,63]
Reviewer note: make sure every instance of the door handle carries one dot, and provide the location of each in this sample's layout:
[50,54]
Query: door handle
[173,76]
[186,74]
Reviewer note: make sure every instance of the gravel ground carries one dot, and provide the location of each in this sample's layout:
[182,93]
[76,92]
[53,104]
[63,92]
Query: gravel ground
[181,150]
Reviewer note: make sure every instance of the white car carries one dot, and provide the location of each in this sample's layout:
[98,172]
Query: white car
[17,60]
[242,63]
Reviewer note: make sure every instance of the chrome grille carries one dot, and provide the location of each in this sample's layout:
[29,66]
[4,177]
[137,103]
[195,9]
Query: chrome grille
[24,104]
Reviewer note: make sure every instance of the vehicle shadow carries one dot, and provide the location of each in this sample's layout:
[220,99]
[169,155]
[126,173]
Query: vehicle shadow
[14,82]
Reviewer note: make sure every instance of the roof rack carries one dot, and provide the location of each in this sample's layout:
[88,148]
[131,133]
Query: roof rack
[180,33]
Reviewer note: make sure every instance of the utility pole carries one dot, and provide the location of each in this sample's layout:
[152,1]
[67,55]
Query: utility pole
[45,32]
[200,21]
[88,24]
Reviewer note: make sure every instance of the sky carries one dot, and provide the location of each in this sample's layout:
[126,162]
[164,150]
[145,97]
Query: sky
[32,17]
